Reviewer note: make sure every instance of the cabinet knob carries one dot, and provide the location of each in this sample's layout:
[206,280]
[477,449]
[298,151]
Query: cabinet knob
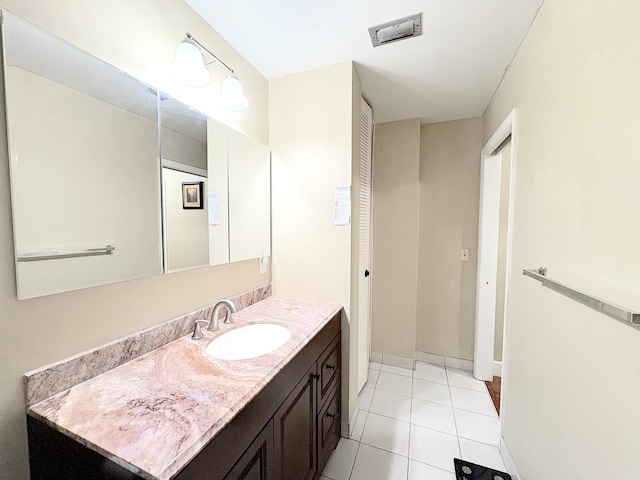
[315,376]
[331,367]
[331,415]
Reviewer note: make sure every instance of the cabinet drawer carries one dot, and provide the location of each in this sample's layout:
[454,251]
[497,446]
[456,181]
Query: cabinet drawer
[329,426]
[329,367]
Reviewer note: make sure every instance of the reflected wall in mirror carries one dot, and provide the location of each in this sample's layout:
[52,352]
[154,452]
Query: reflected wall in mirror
[183,150]
[218,192]
[83,149]
[249,198]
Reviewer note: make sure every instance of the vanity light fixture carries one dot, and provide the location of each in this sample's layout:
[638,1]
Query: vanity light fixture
[190,68]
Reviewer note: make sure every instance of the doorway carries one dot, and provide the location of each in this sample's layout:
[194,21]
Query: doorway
[494,251]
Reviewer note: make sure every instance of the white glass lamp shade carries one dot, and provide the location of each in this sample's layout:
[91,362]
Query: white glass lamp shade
[231,95]
[188,67]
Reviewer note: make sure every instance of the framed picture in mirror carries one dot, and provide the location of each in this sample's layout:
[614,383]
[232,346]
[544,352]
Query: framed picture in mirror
[192,194]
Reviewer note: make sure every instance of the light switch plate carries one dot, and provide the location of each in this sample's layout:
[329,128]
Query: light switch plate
[464,254]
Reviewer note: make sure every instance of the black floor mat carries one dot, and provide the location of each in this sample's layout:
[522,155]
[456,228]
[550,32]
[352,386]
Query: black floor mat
[471,471]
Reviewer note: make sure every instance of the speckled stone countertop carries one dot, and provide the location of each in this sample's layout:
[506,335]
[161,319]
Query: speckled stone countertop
[153,414]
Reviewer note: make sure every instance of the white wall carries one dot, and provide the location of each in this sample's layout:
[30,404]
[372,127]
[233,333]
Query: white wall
[139,37]
[571,385]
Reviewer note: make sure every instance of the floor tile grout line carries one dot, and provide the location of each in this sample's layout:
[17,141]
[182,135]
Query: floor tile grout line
[353,465]
[478,413]
[455,421]
[409,443]
[410,424]
[383,449]
[470,389]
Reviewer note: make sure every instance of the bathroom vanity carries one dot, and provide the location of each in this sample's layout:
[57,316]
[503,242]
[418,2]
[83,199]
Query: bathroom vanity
[177,413]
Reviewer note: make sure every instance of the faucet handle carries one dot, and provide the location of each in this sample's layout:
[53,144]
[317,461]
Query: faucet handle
[197,332]
[231,308]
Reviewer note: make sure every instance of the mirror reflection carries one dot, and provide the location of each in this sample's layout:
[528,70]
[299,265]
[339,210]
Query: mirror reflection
[83,149]
[249,198]
[97,197]
[183,150]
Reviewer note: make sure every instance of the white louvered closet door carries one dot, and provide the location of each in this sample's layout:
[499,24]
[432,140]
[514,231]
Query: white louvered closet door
[364,242]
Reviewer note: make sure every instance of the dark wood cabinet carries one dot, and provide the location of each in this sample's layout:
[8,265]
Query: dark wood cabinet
[329,401]
[295,431]
[307,425]
[329,368]
[328,426]
[256,462]
[287,432]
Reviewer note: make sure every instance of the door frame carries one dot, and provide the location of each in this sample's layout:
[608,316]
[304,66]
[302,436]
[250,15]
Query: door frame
[485,327]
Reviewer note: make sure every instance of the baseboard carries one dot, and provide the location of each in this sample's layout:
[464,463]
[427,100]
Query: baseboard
[508,461]
[430,358]
[458,363]
[497,369]
[397,361]
[375,357]
[404,362]
[443,361]
[393,360]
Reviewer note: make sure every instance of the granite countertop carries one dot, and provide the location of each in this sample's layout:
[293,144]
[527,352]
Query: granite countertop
[153,414]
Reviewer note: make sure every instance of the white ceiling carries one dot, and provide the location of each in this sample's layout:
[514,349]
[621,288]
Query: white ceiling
[450,72]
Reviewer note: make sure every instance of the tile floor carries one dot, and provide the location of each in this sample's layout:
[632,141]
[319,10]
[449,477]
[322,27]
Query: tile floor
[410,424]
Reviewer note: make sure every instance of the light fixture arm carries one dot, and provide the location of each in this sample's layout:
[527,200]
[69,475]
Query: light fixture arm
[205,49]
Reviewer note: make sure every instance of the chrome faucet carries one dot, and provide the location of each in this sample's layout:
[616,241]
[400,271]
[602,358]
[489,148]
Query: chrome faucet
[197,331]
[231,308]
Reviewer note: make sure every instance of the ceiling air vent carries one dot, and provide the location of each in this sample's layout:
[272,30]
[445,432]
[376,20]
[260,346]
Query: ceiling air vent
[396,30]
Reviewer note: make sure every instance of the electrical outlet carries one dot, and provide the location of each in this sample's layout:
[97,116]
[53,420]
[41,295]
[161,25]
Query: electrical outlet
[464,254]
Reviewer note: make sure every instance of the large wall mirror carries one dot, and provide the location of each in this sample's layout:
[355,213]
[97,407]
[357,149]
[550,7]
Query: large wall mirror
[94,198]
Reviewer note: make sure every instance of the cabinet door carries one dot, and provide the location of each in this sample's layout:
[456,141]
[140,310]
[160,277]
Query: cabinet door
[295,432]
[256,463]
[329,426]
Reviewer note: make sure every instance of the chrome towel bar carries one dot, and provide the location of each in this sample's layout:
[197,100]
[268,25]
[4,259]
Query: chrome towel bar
[621,314]
[54,254]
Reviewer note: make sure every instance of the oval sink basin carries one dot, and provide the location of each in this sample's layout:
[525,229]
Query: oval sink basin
[249,342]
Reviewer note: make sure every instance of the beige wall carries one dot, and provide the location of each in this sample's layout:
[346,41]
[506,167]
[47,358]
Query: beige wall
[396,167]
[218,182]
[139,37]
[182,148]
[571,385]
[249,198]
[186,230]
[449,194]
[311,139]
